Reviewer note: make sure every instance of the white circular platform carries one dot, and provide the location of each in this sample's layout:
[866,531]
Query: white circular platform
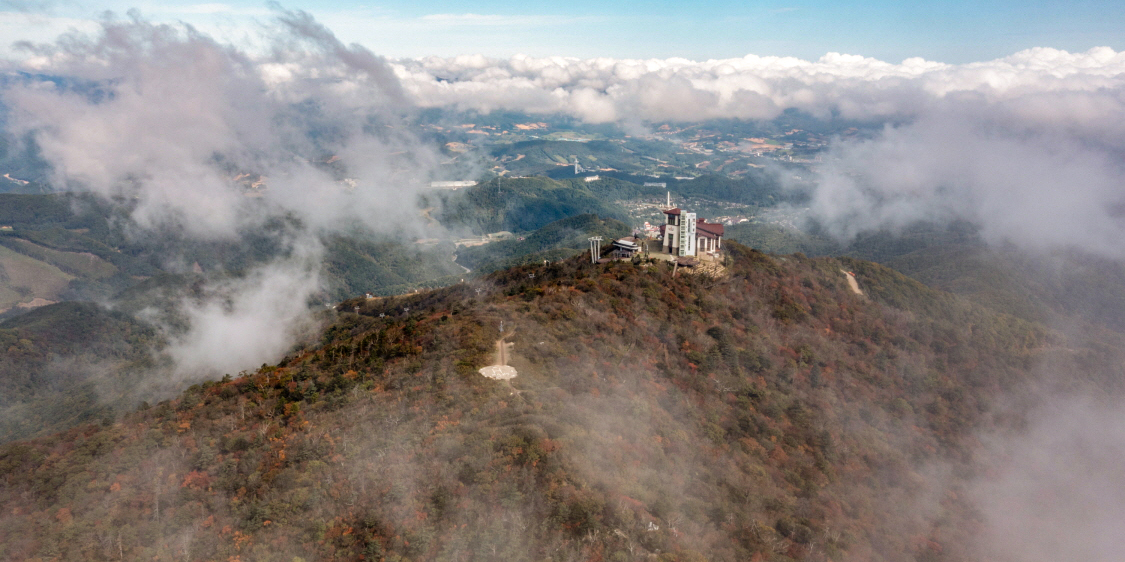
[498,372]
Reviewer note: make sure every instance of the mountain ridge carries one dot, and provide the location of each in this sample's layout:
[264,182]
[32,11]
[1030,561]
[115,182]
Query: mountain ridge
[769,415]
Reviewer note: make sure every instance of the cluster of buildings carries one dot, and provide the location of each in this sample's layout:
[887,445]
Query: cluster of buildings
[683,235]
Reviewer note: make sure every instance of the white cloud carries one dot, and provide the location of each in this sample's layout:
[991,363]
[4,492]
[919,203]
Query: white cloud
[166,118]
[1036,185]
[1057,491]
[182,114]
[748,87]
[1028,146]
[20,26]
[245,322]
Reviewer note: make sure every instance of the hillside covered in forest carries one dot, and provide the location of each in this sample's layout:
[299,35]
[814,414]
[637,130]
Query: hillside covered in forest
[769,413]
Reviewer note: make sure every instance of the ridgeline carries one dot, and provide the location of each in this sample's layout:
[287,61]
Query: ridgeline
[771,414]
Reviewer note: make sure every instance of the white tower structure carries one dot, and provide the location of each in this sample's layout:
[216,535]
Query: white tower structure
[687,234]
[595,248]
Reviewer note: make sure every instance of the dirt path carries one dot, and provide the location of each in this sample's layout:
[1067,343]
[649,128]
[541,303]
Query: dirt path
[467,270]
[852,282]
[500,369]
[502,351]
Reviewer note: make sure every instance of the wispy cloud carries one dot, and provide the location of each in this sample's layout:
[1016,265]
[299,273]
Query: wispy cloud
[179,125]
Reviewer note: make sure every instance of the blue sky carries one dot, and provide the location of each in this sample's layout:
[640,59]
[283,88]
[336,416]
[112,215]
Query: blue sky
[953,31]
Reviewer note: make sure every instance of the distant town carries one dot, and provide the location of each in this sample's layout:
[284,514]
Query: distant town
[509,145]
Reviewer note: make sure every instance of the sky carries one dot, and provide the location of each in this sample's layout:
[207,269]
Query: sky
[950,31]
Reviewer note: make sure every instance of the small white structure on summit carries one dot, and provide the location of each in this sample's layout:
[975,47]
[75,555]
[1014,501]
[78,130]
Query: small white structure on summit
[499,372]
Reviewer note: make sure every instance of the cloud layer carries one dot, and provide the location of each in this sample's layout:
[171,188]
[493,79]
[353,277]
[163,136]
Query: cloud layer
[1044,182]
[201,140]
[172,118]
[1029,146]
[752,87]
[1058,495]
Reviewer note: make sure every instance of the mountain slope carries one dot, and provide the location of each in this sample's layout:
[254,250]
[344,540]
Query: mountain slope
[558,240]
[67,364]
[526,204]
[769,415]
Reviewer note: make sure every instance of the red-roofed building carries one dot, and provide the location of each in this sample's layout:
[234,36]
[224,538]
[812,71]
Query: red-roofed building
[709,236]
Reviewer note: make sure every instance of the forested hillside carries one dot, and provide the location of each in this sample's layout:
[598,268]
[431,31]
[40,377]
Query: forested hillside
[526,204]
[1072,285]
[77,247]
[558,240]
[68,364]
[771,414]
[87,303]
